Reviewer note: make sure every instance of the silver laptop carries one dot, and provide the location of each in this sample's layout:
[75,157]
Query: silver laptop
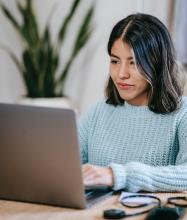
[40,158]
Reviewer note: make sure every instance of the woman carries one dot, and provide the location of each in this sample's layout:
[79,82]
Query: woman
[136,139]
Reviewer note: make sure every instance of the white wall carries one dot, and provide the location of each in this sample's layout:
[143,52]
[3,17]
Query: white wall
[88,75]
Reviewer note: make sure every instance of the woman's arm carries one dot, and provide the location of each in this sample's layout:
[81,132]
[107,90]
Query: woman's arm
[136,176]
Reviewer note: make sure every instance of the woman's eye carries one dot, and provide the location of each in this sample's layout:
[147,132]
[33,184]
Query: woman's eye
[132,62]
[114,61]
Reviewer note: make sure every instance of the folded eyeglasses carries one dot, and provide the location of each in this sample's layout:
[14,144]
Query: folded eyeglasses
[147,203]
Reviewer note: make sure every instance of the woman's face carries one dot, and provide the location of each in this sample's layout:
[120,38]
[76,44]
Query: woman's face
[131,85]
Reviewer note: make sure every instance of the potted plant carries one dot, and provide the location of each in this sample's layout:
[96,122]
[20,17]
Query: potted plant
[39,65]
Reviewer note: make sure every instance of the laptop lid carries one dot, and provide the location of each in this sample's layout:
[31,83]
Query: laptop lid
[39,156]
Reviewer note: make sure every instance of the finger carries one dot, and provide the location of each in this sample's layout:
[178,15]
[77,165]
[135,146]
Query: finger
[87,170]
[86,167]
[89,175]
[90,181]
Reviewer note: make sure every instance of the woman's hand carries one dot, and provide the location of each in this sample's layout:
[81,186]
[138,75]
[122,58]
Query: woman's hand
[96,175]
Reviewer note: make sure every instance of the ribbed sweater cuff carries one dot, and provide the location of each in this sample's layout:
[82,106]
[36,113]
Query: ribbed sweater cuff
[119,176]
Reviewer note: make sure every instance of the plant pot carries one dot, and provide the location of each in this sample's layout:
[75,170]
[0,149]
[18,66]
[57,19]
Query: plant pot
[61,102]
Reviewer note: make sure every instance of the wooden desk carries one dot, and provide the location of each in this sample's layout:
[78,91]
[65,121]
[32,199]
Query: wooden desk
[24,211]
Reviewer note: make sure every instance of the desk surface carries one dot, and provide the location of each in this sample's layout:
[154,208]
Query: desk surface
[10,210]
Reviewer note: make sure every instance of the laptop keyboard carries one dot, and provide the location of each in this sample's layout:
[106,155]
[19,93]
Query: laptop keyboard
[94,196]
[89,193]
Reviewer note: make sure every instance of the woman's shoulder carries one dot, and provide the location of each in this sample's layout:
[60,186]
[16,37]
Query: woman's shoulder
[99,109]
[184,101]
[183,107]
[181,113]
[100,106]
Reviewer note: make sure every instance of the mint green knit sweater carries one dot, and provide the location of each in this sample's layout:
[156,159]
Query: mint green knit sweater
[146,151]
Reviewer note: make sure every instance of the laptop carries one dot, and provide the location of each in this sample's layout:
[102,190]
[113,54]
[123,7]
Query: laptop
[40,157]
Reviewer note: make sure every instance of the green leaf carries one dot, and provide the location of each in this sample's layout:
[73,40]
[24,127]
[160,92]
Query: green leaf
[10,17]
[14,58]
[84,31]
[29,64]
[20,8]
[67,20]
[60,82]
[30,27]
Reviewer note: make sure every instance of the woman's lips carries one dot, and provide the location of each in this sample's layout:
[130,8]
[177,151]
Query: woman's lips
[124,85]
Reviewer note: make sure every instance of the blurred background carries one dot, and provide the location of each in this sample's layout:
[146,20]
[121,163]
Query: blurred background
[87,71]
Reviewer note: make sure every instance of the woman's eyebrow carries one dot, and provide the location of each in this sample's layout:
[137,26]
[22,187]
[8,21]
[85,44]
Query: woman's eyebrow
[128,58]
[113,55]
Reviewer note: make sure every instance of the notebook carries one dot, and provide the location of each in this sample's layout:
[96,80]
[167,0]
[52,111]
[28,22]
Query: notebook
[40,157]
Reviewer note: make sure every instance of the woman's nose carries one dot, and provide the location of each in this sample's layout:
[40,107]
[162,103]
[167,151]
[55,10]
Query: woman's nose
[123,72]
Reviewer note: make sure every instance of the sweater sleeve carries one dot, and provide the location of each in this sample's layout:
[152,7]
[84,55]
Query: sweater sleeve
[135,176]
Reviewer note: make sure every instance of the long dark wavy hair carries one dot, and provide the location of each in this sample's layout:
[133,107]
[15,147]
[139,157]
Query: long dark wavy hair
[155,59]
